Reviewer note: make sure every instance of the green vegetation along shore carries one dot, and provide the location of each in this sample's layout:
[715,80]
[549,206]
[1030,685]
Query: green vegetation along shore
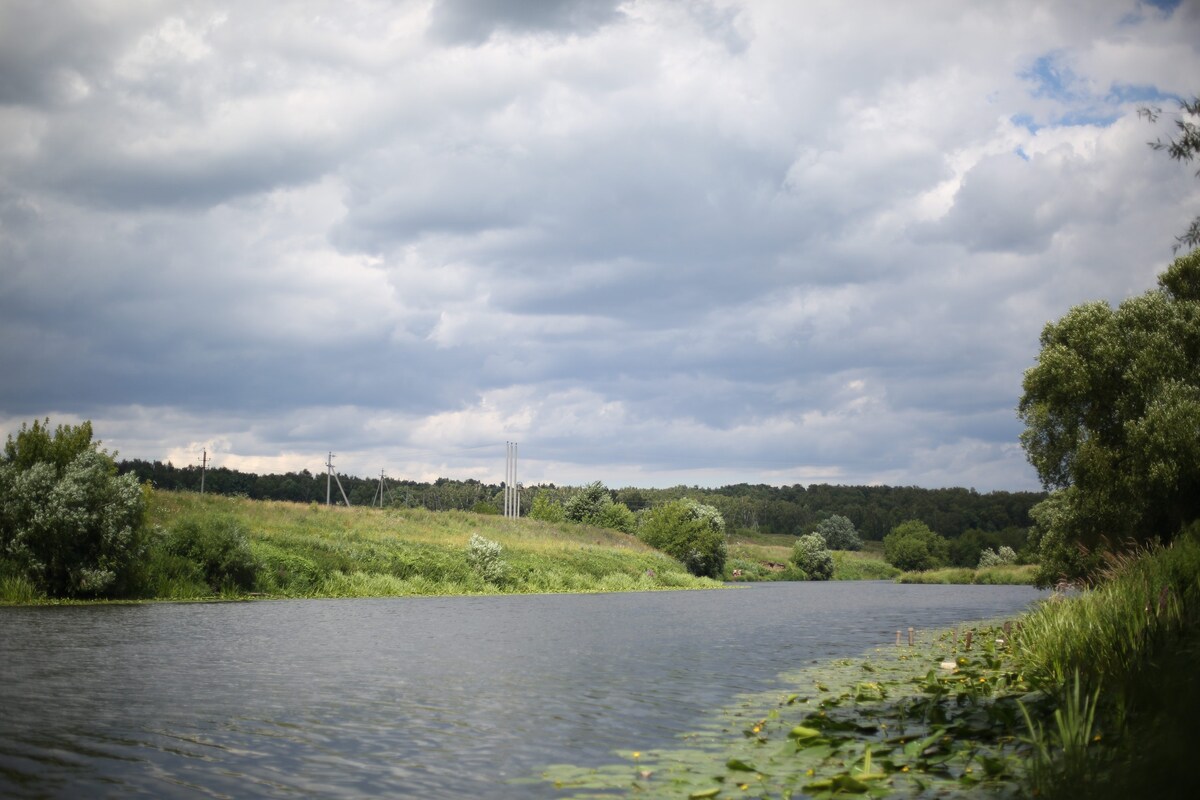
[204,546]
[1086,695]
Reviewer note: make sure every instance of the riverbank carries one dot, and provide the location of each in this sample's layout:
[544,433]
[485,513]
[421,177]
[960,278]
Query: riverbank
[236,548]
[1088,695]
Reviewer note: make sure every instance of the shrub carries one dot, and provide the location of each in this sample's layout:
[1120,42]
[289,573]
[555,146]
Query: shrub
[484,507]
[839,533]
[618,517]
[588,504]
[994,558]
[69,525]
[913,547]
[545,509]
[220,550]
[690,532]
[810,555]
[483,556]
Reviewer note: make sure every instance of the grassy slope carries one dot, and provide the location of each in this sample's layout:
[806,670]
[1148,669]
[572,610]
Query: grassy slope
[753,558]
[312,550]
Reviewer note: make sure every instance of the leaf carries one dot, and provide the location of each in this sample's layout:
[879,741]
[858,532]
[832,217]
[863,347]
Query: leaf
[703,793]
[740,766]
[801,732]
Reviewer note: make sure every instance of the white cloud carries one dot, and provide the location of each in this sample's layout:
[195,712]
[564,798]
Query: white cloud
[654,242]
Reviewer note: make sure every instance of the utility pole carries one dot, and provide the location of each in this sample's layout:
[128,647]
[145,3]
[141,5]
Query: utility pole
[381,485]
[512,494]
[203,467]
[328,477]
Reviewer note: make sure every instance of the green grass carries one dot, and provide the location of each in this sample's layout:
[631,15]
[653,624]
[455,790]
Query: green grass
[767,562]
[1005,575]
[318,551]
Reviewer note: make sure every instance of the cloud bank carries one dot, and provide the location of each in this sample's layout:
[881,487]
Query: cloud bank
[653,242]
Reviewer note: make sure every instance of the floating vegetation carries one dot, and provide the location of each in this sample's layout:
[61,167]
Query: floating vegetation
[896,722]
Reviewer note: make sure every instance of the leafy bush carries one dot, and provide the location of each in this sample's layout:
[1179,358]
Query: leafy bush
[69,525]
[839,533]
[810,555]
[618,517]
[484,507]
[220,550]
[690,532]
[588,504]
[545,509]
[913,547]
[994,558]
[483,555]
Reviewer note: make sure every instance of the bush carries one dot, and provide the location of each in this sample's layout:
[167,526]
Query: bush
[219,549]
[69,525]
[483,556]
[618,517]
[839,533]
[588,504]
[545,509]
[913,547]
[993,558]
[691,532]
[810,555]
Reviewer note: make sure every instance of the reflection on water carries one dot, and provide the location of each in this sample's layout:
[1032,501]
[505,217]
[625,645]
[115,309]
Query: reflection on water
[430,697]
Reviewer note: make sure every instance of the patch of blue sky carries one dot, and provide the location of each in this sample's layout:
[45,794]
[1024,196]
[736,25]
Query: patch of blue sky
[1165,9]
[1054,80]
[1128,93]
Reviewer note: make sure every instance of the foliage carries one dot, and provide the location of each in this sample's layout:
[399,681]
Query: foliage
[545,509]
[308,550]
[1184,148]
[618,517]
[219,549]
[839,533]
[912,546]
[995,558]
[484,557]
[810,555]
[1112,414]
[756,509]
[485,507]
[69,525]
[692,532]
[588,504]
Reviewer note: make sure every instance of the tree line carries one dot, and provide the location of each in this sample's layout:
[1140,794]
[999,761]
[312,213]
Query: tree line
[758,508]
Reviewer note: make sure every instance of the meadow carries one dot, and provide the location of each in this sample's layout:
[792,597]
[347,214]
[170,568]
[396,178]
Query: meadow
[311,550]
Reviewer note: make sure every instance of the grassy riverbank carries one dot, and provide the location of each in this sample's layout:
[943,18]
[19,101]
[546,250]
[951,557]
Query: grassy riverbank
[310,550]
[1009,574]
[771,562]
[1089,695]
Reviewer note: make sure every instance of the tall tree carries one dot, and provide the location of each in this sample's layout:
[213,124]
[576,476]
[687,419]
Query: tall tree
[1112,415]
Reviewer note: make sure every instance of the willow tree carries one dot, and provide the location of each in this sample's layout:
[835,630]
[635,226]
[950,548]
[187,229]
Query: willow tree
[1112,415]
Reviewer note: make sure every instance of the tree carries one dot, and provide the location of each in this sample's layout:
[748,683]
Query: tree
[691,532]
[810,555]
[1184,148]
[1112,416]
[545,509]
[68,523]
[913,547]
[839,533]
[588,504]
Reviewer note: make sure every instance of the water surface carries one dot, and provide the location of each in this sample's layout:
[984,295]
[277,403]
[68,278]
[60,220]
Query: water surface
[428,697]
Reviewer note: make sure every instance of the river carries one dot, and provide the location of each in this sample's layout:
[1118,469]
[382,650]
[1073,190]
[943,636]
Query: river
[421,697]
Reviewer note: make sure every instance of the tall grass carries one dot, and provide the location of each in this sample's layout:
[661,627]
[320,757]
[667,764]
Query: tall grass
[994,576]
[316,551]
[1131,642]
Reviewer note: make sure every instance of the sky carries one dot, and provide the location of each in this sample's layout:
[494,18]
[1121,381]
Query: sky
[693,242]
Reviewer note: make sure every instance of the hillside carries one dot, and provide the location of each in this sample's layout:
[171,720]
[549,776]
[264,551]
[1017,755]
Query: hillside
[311,550]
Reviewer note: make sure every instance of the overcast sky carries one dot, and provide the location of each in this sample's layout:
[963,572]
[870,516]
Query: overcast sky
[653,242]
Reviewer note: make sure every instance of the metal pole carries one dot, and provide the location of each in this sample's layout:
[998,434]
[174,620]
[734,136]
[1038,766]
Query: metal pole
[203,467]
[516,486]
[328,478]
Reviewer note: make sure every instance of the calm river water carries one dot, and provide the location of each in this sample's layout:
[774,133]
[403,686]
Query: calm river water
[422,697]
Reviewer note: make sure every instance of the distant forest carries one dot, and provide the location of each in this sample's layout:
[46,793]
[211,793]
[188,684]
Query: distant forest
[789,510]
